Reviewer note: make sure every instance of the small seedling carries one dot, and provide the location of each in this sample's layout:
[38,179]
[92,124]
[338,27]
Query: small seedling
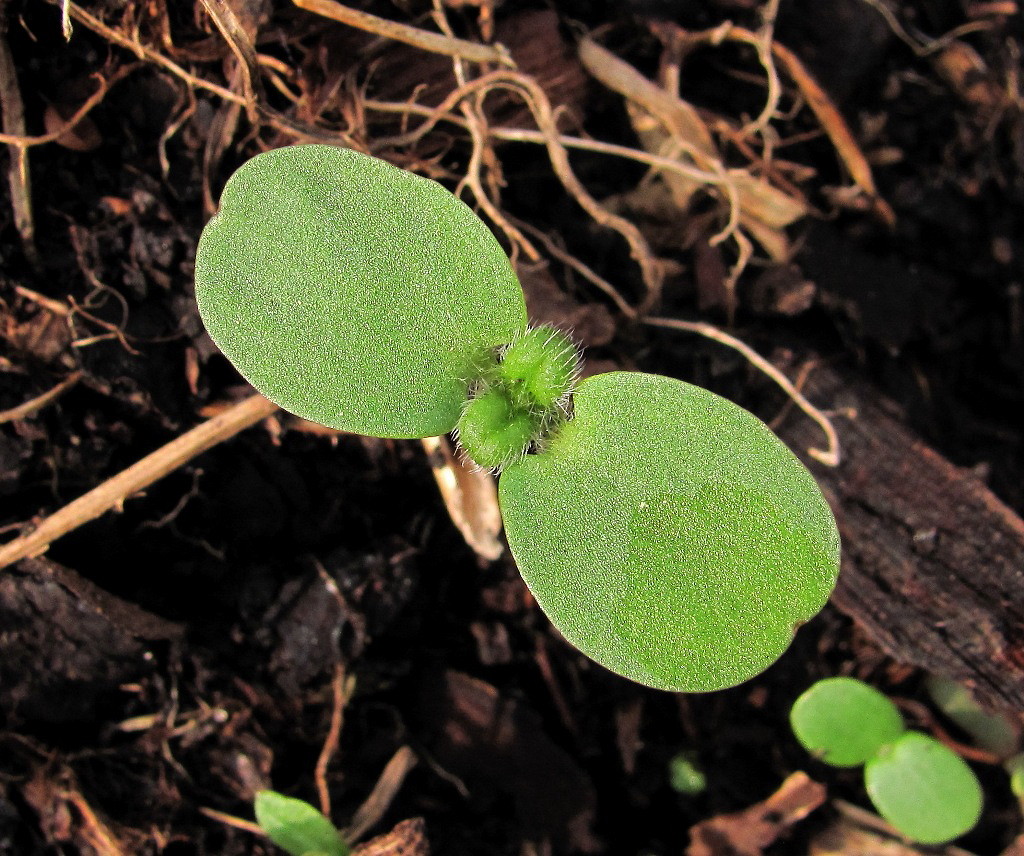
[667,533]
[919,785]
[685,776]
[297,827]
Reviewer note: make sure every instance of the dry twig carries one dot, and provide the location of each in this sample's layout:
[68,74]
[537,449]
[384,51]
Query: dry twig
[433,42]
[147,53]
[33,405]
[112,493]
[232,821]
[382,795]
[23,141]
[830,457]
[540,108]
[341,692]
[764,54]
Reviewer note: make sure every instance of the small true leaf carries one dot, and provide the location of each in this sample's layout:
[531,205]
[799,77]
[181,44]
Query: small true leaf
[296,827]
[669,535]
[353,293]
[543,363]
[844,721]
[924,789]
[493,431]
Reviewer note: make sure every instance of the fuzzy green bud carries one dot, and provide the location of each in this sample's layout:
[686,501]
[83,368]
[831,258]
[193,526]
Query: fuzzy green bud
[493,431]
[539,368]
[522,393]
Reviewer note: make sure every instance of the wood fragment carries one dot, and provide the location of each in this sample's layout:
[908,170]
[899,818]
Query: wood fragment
[469,495]
[751,831]
[962,67]
[408,838]
[113,492]
[383,794]
[53,795]
[933,561]
[241,45]
[679,117]
[669,126]
[834,125]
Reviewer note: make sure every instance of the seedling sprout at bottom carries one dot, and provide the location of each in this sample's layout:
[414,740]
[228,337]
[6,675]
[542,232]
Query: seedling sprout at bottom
[923,788]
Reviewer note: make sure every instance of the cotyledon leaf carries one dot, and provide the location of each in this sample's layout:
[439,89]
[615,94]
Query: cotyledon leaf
[669,534]
[353,293]
[924,789]
[844,721]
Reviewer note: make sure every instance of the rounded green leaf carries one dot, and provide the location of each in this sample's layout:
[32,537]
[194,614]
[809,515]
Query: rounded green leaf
[844,721]
[296,827]
[353,293]
[669,535]
[924,789]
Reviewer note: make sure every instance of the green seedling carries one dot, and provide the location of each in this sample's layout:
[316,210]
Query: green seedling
[667,533]
[685,776]
[923,788]
[297,827]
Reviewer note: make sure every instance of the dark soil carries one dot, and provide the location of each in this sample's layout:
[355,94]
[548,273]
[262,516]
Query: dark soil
[183,653]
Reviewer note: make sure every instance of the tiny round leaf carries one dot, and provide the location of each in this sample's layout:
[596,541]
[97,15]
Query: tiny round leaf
[924,789]
[844,721]
[353,293]
[669,535]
